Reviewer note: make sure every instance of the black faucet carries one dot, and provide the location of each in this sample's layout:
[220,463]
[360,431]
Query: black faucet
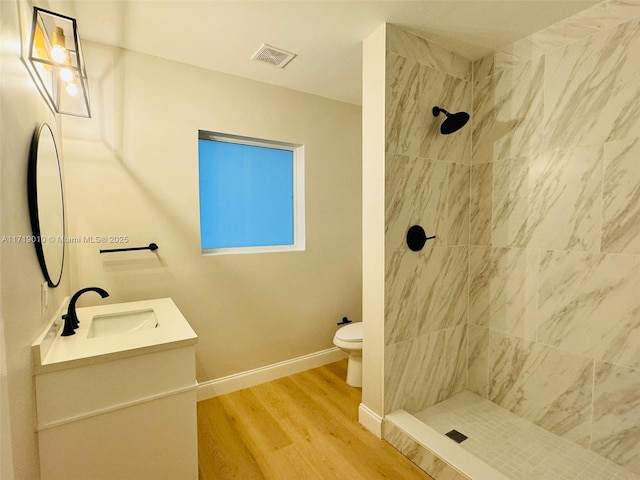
[70,318]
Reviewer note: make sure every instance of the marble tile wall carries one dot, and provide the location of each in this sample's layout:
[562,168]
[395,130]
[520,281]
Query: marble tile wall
[427,183]
[554,255]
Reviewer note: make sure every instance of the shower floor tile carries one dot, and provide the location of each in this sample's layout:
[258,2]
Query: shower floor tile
[515,447]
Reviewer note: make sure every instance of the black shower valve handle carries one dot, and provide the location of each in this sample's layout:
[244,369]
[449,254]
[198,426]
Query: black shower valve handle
[416,238]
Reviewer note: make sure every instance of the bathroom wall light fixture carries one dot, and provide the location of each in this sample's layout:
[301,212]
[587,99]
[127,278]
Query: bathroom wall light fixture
[56,56]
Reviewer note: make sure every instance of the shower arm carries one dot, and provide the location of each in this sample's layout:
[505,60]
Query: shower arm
[436,111]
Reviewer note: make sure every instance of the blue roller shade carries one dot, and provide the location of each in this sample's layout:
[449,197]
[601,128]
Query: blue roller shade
[246,195]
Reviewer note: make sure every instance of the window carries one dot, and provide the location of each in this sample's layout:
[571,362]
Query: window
[251,194]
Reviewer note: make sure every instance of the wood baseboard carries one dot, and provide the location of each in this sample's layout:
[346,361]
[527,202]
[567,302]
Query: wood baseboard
[238,381]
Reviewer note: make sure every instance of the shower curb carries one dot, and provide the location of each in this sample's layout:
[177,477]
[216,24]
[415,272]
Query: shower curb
[436,454]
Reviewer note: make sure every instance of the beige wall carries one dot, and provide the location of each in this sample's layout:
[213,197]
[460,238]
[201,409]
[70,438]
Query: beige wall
[133,170]
[21,109]
[373,99]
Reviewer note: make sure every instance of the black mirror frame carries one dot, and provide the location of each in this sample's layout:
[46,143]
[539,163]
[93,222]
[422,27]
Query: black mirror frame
[32,194]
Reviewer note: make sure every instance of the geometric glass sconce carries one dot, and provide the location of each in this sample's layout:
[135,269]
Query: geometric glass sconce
[56,56]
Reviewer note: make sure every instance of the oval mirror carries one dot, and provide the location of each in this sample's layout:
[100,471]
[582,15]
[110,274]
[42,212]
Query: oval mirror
[46,203]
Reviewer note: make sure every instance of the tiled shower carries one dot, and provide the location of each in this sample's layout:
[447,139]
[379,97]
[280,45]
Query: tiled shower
[530,294]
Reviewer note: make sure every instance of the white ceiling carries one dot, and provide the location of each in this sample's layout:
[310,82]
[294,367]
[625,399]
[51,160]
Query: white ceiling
[326,34]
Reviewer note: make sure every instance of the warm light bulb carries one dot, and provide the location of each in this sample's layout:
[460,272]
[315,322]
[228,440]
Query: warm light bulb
[67,75]
[59,54]
[72,89]
[58,51]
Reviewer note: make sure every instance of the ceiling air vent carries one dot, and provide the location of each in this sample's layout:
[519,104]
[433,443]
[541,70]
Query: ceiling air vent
[273,56]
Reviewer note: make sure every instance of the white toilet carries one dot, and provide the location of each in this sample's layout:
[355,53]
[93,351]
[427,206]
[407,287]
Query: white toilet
[349,339]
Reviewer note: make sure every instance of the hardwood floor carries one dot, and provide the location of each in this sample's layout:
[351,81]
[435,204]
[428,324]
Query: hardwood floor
[300,427]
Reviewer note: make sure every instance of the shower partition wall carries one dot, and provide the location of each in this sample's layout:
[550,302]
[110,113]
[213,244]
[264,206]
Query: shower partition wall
[520,321]
[427,184]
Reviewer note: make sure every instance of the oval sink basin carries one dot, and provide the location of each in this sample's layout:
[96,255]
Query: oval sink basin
[122,322]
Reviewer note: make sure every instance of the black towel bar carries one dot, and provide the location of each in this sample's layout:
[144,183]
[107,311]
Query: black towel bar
[151,246]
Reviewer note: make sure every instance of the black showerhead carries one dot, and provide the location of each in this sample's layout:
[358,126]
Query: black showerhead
[453,122]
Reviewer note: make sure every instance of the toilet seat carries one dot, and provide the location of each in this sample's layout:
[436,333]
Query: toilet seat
[351,333]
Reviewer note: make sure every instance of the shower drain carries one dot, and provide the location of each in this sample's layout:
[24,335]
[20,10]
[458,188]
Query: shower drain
[456,436]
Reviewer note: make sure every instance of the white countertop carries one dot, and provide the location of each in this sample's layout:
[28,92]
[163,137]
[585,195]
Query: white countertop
[64,352]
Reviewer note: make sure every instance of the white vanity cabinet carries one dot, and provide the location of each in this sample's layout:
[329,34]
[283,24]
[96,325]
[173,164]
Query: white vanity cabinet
[118,406]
